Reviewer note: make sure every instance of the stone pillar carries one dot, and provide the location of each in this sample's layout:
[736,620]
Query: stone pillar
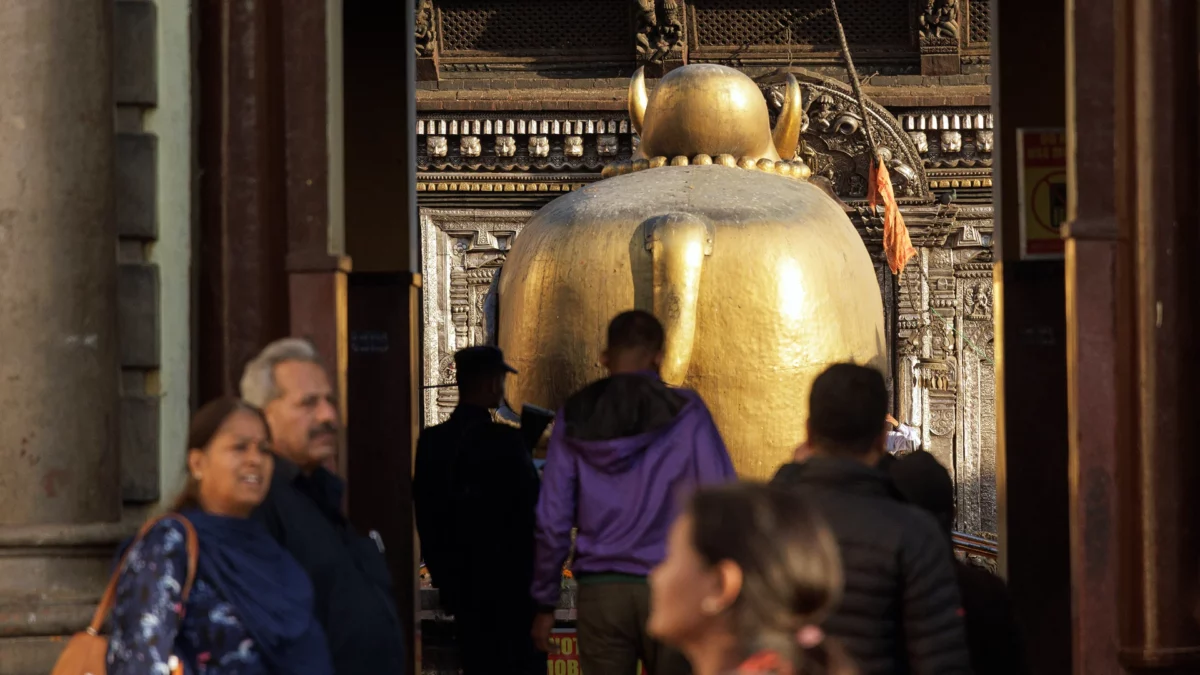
[59,489]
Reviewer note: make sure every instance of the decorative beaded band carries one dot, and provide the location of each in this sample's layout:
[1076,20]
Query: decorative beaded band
[793,169]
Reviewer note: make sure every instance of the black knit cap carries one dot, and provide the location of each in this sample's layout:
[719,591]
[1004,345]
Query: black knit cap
[924,482]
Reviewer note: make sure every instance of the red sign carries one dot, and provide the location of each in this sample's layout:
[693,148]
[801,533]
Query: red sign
[566,661]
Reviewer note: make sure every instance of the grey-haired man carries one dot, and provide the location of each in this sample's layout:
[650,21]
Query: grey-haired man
[351,583]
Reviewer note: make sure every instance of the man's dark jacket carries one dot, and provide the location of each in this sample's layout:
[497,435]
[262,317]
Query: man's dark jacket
[900,611]
[351,583]
[995,640]
[475,490]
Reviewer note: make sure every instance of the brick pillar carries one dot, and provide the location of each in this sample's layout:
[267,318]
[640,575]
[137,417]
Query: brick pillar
[60,494]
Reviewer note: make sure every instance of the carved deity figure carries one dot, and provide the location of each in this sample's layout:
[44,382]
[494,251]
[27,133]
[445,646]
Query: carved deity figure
[951,141]
[424,29]
[506,146]
[573,146]
[983,140]
[436,146]
[469,146]
[539,146]
[921,141]
[828,119]
[659,29]
[606,145]
[978,302]
[939,20]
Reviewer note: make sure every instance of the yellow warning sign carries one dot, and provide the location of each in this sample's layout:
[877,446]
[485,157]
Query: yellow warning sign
[1042,167]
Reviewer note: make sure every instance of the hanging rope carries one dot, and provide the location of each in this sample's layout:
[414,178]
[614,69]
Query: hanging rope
[858,95]
[862,106]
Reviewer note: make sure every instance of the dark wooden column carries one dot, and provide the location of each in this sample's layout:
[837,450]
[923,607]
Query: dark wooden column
[316,264]
[1158,469]
[384,290]
[1092,345]
[241,301]
[1028,70]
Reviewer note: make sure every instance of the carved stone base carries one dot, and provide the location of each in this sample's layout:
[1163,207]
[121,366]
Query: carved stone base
[30,656]
[941,64]
[427,68]
[51,579]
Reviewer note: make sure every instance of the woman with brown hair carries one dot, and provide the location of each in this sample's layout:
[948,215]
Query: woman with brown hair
[750,573]
[249,608]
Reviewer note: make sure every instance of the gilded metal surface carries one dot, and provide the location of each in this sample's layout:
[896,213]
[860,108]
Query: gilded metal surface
[786,289]
[710,109]
[951,401]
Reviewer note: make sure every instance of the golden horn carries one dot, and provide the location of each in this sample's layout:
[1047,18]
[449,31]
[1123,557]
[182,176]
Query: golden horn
[638,99]
[787,128]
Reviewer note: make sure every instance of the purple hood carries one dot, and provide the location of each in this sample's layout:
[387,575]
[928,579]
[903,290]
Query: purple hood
[623,492]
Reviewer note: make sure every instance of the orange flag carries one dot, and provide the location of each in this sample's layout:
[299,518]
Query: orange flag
[896,243]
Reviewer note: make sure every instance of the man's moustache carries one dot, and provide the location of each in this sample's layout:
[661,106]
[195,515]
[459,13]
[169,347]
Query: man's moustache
[323,430]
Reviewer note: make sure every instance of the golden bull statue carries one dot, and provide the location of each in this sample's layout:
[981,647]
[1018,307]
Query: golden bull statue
[758,276]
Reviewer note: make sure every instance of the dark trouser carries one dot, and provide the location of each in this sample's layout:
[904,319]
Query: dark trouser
[611,627]
[494,640]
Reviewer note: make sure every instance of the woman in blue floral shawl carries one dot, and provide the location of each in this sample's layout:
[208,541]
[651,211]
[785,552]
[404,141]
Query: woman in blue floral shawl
[250,608]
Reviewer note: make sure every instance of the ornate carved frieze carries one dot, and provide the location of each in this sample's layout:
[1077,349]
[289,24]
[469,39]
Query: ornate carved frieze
[929,225]
[835,142]
[482,142]
[953,146]
[491,183]
[945,372]
[462,250]
[962,138]
[975,449]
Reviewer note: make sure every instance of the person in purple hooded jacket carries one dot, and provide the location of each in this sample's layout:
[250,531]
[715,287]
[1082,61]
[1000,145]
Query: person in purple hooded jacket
[624,452]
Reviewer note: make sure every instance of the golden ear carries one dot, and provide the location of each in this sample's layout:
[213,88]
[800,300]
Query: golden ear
[787,128]
[638,99]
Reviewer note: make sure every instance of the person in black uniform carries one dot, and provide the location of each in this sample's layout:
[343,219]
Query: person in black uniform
[475,489]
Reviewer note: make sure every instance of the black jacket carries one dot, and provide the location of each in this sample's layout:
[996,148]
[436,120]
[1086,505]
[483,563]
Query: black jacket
[351,583]
[992,632]
[475,491]
[900,612]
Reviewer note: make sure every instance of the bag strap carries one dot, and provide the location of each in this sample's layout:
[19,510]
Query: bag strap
[110,592]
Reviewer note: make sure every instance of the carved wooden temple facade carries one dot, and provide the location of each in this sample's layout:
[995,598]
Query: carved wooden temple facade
[521,101]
